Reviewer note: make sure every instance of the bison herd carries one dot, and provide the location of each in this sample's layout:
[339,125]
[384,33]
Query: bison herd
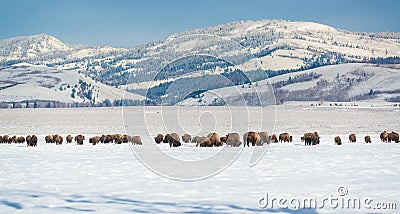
[30,140]
[78,139]
[258,139]
[214,139]
[211,140]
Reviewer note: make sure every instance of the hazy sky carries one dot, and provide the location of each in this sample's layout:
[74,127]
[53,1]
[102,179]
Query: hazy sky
[124,23]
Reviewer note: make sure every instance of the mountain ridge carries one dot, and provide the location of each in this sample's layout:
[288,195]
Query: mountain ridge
[202,58]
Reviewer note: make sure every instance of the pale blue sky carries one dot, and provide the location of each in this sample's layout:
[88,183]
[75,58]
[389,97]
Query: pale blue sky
[125,23]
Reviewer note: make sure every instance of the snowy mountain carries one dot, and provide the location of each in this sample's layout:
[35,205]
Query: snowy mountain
[207,58]
[26,47]
[42,86]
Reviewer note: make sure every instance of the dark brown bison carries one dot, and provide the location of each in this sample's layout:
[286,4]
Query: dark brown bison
[1,139]
[108,139]
[166,138]
[69,138]
[306,138]
[264,138]
[49,139]
[94,140]
[79,139]
[223,139]
[6,138]
[214,138]
[159,138]
[352,138]
[338,141]
[311,138]
[31,140]
[285,137]
[117,138]
[102,138]
[367,139]
[384,136]
[186,138]
[34,140]
[173,140]
[204,142]
[136,140]
[28,140]
[12,139]
[274,138]
[393,136]
[58,139]
[125,138]
[233,139]
[21,139]
[251,137]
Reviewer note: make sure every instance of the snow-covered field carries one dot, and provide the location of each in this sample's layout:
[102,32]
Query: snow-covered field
[109,178]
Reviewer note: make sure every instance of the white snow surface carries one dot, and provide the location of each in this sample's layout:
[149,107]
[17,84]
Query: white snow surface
[108,178]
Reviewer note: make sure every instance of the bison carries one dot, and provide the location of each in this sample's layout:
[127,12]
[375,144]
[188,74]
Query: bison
[214,138]
[69,138]
[136,140]
[21,139]
[31,140]
[12,139]
[264,138]
[102,138]
[159,138]
[311,138]
[223,139]
[6,138]
[251,137]
[125,138]
[274,138]
[338,141]
[34,140]
[173,140]
[195,139]
[166,138]
[285,137]
[367,139]
[384,136]
[79,139]
[186,138]
[204,142]
[49,139]
[233,139]
[108,139]
[352,138]
[117,138]
[393,137]
[58,139]
[28,140]
[94,140]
